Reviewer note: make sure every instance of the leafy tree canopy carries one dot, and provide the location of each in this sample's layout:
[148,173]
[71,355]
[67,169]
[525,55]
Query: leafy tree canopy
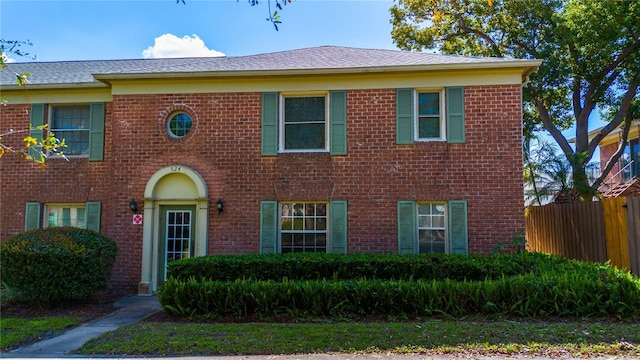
[590,48]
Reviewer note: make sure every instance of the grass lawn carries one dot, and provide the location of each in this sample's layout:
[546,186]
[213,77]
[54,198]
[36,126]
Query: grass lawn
[499,337]
[16,331]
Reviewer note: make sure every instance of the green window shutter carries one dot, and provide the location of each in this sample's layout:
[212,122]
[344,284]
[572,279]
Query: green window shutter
[96,132]
[407,227]
[268,226]
[404,116]
[338,119]
[269,124]
[455,115]
[338,225]
[37,119]
[92,216]
[458,229]
[32,216]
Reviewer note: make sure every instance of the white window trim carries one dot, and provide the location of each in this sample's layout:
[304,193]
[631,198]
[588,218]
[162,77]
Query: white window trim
[327,231]
[443,115]
[327,108]
[49,122]
[48,206]
[447,250]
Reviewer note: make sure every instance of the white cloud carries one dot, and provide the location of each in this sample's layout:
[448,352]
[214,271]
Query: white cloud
[171,46]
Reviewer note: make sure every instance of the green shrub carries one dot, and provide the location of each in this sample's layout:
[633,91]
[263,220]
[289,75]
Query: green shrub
[609,293]
[313,266]
[361,285]
[49,266]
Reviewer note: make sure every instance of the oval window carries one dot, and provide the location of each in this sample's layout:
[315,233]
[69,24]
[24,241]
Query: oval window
[179,125]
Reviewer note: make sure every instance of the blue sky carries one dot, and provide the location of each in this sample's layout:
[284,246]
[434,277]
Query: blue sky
[123,29]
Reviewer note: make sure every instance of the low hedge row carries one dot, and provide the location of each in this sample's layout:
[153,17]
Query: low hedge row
[313,266]
[572,294]
[524,284]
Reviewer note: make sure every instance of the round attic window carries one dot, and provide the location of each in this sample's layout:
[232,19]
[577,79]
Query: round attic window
[179,125]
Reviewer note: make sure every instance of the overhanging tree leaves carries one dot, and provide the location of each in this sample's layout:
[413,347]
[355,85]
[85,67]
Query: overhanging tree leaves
[32,149]
[273,18]
[591,53]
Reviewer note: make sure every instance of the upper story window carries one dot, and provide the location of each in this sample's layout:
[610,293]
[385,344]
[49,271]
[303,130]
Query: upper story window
[430,115]
[430,123]
[81,126]
[300,122]
[72,123]
[304,123]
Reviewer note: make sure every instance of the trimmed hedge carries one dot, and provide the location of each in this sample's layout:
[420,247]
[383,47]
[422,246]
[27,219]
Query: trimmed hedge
[529,295]
[53,265]
[313,266]
[362,285]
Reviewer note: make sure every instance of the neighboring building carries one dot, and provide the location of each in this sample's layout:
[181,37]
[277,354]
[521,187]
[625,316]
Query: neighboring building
[624,178]
[326,149]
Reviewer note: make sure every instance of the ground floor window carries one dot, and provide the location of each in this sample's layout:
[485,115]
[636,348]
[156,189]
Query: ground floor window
[303,227]
[65,215]
[432,228]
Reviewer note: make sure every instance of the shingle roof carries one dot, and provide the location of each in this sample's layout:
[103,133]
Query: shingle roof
[308,59]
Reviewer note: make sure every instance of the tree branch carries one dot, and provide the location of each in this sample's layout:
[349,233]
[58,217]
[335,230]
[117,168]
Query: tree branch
[616,156]
[494,47]
[620,115]
[545,118]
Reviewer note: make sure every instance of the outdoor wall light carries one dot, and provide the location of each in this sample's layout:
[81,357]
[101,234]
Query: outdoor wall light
[133,205]
[220,206]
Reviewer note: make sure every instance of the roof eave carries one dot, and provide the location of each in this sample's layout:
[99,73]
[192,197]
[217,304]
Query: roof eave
[527,66]
[57,86]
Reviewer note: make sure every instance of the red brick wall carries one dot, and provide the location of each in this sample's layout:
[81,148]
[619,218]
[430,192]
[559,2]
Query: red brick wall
[606,152]
[224,147]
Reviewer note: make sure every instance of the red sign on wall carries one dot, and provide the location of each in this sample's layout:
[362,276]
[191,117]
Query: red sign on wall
[137,219]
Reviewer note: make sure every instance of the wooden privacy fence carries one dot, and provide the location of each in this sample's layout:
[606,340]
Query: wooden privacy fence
[592,231]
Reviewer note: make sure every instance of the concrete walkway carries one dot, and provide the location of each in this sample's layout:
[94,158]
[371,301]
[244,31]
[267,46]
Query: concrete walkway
[131,309]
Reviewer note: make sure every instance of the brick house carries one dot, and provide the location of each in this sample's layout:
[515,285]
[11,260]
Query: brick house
[624,178]
[321,149]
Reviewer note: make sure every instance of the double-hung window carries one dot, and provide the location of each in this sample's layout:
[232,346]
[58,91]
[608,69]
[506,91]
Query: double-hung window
[81,126]
[72,124]
[304,123]
[80,215]
[303,227]
[430,124]
[432,227]
[65,215]
[299,226]
[430,115]
[432,236]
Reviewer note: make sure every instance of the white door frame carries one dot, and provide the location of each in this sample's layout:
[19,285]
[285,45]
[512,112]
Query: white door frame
[171,185]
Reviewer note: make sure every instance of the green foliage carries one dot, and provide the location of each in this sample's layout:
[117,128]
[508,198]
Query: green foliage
[591,53]
[53,265]
[530,285]
[313,266]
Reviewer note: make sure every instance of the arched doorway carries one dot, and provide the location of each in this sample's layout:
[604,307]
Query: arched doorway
[176,218]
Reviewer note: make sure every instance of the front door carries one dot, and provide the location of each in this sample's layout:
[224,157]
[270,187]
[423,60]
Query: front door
[176,236]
